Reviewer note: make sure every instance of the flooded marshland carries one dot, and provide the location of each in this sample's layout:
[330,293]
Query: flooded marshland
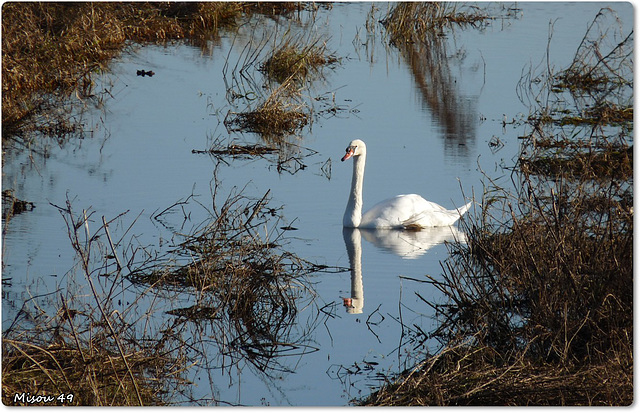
[215,243]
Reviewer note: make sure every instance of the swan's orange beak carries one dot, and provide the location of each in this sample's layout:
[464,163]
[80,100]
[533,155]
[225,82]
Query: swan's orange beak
[349,154]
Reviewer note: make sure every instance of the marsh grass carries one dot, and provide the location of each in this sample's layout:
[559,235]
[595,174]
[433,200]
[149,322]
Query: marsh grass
[283,154]
[296,58]
[538,305]
[614,162]
[226,294]
[79,343]
[280,114]
[480,376]
[88,373]
[52,50]
[273,117]
[249,288]
[268,84]
[238,150]
[415,21]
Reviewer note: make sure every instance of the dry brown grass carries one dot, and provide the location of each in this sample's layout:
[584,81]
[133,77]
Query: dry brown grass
[273,117]
[234,149]
[249,288]
[281,113]
[86,375]
[296,59]
[415,21]
[268,83]
[615,161]
[472,376]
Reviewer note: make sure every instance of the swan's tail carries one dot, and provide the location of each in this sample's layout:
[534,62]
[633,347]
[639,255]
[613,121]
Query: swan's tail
[463,209]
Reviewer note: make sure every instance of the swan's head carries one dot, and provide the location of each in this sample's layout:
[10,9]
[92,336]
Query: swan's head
[355,148]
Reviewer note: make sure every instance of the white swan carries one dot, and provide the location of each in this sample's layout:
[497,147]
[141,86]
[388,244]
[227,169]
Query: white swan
[403,211]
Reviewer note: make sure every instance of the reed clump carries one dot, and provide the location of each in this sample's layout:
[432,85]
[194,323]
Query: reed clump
[594,159]
[249,289]
[273,117]
[281,113]
[234,149]
[275,105]
[409,22]
[297,60]
[538,304]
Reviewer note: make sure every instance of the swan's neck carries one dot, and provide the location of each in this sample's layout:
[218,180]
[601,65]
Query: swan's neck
[353,213]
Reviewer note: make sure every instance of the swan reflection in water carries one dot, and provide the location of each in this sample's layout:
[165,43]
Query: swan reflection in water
[406,244]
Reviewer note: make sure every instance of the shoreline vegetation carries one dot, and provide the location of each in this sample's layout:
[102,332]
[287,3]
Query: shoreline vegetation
[540,299]
[226,295]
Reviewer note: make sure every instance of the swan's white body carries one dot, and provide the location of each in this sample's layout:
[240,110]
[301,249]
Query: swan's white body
[402,211]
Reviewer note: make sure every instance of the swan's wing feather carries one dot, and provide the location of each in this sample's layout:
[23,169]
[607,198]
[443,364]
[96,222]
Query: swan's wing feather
[411,210]
[389,213]
[429,216]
